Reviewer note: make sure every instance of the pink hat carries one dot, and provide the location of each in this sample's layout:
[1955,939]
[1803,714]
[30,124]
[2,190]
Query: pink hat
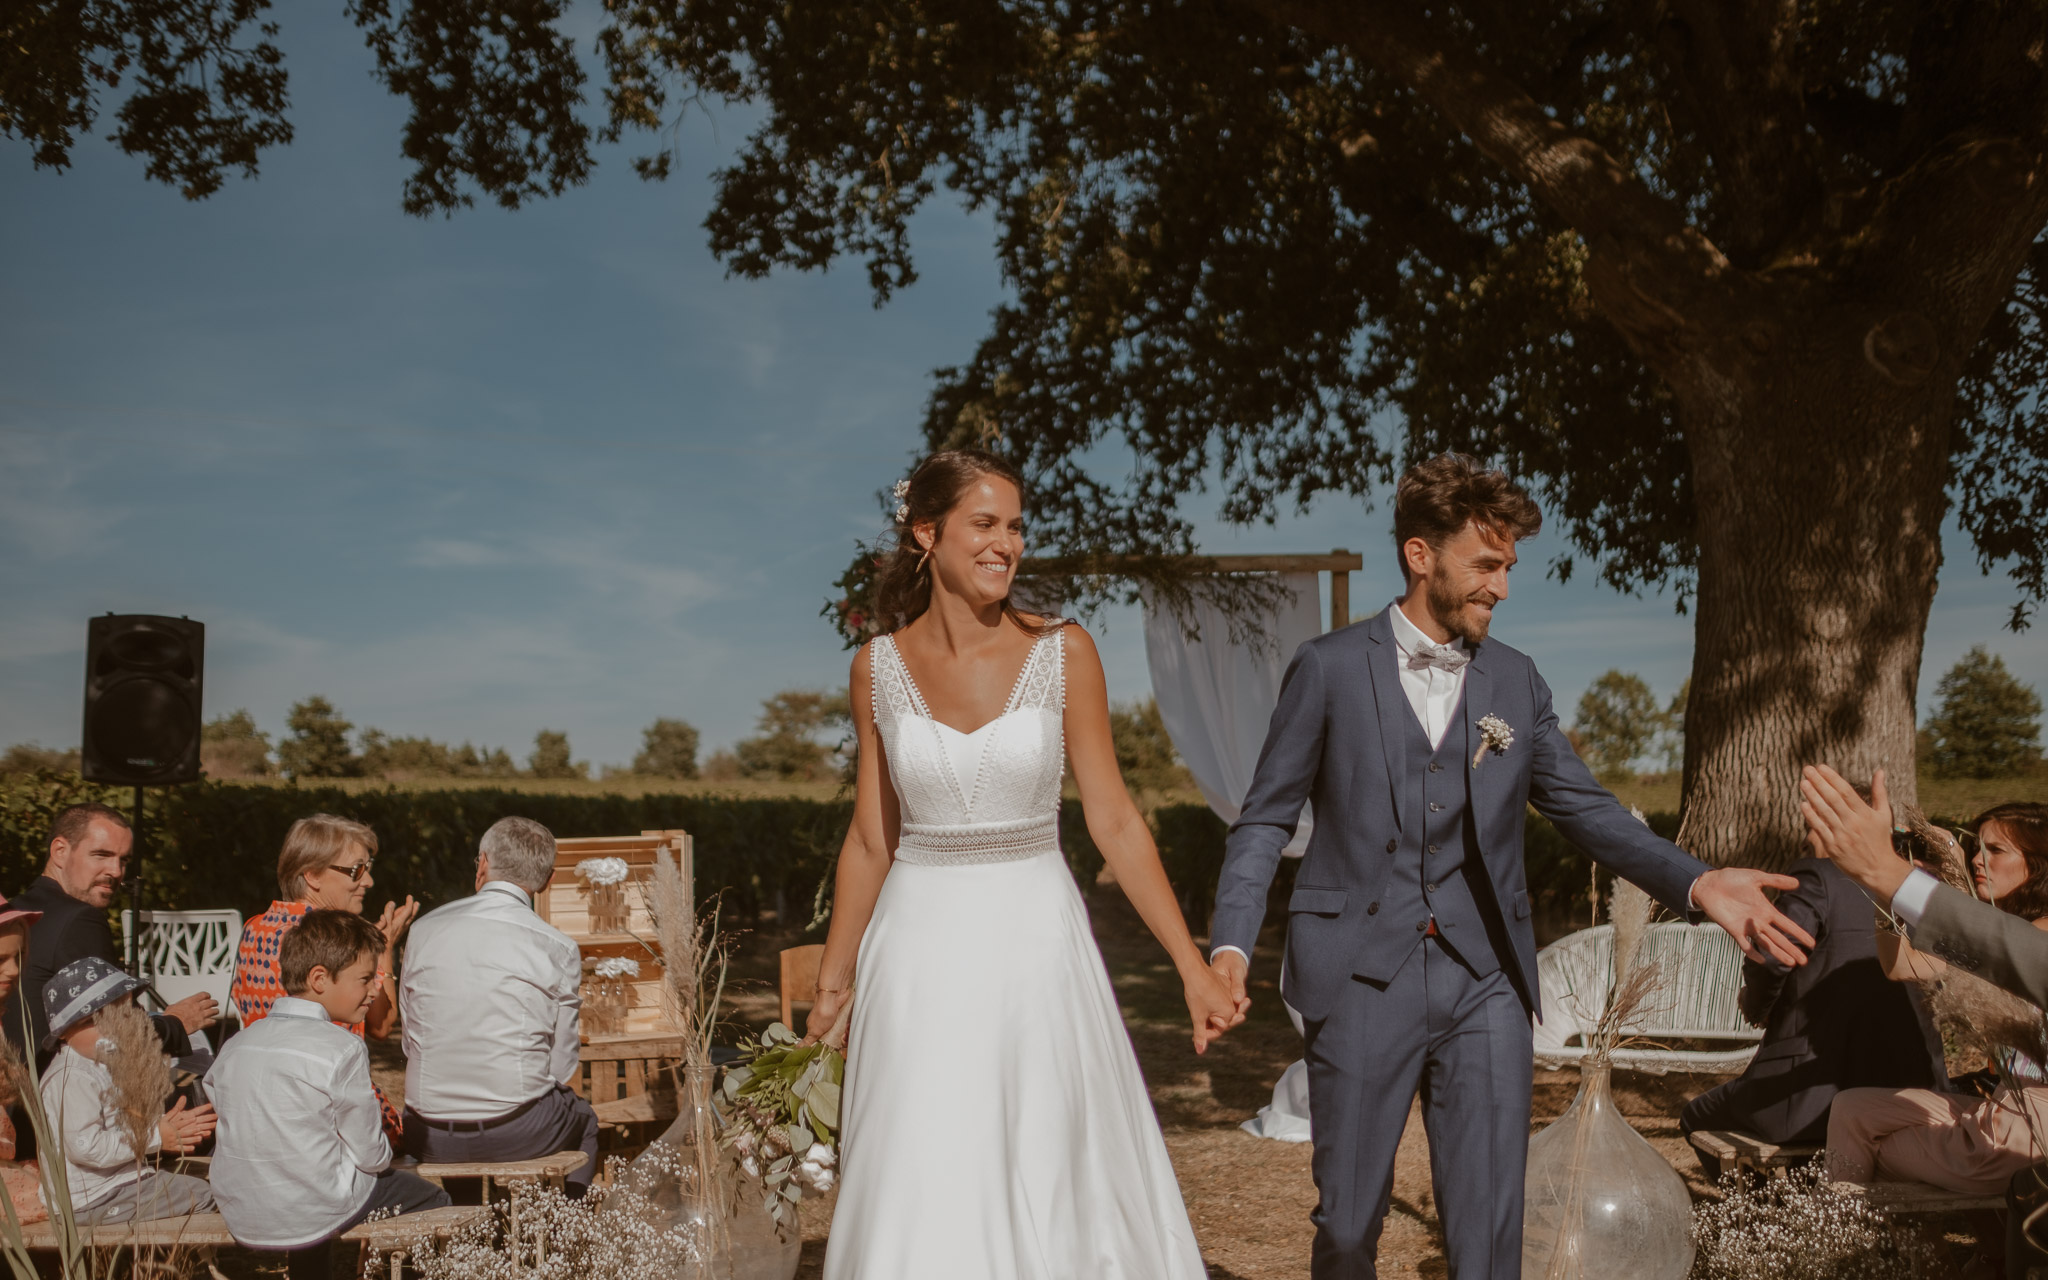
[8,915]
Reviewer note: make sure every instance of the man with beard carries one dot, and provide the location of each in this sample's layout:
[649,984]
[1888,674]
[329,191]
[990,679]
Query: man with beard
[89,846]
[1410,954]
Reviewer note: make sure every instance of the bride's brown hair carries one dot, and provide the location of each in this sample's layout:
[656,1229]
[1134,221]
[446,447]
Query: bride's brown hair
[903,580]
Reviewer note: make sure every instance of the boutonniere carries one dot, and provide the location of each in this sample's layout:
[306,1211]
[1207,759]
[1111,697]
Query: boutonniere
[1494,733]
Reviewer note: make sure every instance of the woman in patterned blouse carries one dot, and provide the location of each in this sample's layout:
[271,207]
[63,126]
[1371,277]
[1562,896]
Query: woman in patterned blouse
[325,863]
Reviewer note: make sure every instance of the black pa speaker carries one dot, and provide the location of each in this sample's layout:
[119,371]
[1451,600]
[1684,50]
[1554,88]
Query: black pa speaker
[142,708]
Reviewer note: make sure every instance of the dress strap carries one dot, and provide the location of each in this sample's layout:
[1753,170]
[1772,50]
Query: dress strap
[890,682]
[1043,682]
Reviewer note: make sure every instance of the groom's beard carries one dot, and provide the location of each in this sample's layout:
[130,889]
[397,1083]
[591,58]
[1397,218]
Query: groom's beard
[1455,612]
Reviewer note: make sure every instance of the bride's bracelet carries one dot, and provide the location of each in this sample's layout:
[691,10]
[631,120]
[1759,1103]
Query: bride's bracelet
[835,991]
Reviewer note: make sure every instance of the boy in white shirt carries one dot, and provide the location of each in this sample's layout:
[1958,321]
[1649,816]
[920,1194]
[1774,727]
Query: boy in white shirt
[106,1176]
[300,1156]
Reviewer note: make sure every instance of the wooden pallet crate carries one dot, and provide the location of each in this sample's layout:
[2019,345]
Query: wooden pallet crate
[614,921]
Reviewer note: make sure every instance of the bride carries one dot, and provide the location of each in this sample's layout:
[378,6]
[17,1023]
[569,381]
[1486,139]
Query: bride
[995,1123]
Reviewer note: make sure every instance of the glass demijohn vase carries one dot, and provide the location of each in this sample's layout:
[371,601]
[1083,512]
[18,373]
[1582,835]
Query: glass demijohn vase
[686,1181]
[1600,1203]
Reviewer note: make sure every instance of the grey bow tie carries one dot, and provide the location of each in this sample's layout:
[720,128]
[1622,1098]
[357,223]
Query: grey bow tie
[1443,657]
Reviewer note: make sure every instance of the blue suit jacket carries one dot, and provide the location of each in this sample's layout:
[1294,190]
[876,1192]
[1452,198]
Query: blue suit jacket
[1337,739]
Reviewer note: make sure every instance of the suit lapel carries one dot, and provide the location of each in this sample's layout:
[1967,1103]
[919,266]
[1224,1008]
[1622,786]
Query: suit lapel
[1383,661]
[1474,705]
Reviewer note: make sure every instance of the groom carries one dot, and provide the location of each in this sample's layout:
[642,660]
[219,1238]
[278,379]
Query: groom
[1410,954]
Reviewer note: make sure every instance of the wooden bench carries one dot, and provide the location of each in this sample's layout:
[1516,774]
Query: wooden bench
[190,1231]
[392,1238]
[1734,1149]
[1900,1199]
[549,1171]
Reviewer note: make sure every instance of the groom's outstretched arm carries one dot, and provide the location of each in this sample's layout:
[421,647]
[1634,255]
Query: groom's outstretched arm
[1272,807]
[1563,790]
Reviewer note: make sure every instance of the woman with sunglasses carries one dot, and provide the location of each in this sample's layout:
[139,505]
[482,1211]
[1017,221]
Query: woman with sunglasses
[325,863]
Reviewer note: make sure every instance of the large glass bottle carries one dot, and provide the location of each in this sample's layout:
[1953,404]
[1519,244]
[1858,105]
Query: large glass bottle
[685,1180]
[1600,1203]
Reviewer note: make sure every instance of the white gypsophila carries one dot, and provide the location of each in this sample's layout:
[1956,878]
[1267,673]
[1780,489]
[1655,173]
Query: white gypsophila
[617,967]
[604,870]
[1494,736]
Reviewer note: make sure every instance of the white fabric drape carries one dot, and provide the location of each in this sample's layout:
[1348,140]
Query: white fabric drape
[1217,699]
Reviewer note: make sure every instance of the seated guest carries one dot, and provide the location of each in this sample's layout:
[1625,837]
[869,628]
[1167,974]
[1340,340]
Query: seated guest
[325,865]
[23,1184]
[1836,1022]
[89,846]
[107,1179]
[300,1156]
[490,996]
[1961,1142]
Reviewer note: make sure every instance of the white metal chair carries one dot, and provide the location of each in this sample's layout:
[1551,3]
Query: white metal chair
[1702,975]
[186,952]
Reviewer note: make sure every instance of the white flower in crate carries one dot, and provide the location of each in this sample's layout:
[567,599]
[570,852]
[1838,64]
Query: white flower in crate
[617,967]
[603,870]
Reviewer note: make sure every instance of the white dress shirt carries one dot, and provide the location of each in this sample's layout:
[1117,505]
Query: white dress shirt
[301,1137]
[98,1158]
[491,994]
[1432,692]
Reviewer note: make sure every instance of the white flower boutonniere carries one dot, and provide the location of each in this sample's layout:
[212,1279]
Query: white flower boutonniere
[1494,733]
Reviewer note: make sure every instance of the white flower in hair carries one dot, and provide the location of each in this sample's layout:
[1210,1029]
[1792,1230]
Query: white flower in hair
[902,495]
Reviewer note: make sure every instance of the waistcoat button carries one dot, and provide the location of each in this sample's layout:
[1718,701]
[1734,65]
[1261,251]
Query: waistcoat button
[1421,925]
[1434,767]
[1390,845]
[1432,848]
[1434,807]
[1372,908]
[1429,888]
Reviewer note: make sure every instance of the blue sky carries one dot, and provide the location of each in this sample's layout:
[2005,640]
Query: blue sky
[476,476]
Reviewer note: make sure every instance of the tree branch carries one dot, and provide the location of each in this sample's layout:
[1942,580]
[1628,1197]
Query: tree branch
[1575,177]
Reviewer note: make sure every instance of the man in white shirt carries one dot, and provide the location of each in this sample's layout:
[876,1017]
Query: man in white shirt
[490,999]
[300,1154]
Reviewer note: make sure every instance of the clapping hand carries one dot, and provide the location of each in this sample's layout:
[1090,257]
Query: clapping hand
[392,923]
[195,1012]
[182,1131]
[1855,836]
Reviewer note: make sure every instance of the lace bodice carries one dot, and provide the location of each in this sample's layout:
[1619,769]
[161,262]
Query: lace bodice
[990,795]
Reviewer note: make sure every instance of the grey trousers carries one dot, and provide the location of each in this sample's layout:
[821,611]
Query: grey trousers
[557,1121]
[395,1190]
[155,1194]
[1464,1043]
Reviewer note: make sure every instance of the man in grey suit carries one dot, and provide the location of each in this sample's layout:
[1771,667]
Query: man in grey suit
[1410,952]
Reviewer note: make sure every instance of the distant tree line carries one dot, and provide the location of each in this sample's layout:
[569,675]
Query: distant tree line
[1986,724]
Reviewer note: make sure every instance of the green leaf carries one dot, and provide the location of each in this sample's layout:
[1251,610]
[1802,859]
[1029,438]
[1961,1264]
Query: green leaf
[799,1138]
[824,1103]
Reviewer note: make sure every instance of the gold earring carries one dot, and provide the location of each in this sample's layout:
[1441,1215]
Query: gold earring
[921,559]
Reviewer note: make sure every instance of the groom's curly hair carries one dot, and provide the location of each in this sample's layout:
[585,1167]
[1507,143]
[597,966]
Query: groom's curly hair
[1436,499]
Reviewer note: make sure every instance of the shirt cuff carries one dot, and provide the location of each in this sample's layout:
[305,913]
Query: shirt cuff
[1692,904]
[1222,947]
[1910,902]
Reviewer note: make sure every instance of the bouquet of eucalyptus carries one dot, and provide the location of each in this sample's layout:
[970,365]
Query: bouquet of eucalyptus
[784,1122]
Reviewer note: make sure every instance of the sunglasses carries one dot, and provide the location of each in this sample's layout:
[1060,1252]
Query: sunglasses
[354,873]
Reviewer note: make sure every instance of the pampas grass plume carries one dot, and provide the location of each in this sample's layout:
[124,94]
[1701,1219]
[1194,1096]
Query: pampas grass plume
[134,1057]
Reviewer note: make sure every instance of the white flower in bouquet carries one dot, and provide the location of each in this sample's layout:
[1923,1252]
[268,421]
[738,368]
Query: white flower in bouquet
[743,1142]
[751,1166]
[820,1155]
[617,966]
[823,1182]
[603,870]
[811,1171]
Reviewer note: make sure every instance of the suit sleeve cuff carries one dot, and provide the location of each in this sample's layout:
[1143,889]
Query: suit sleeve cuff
[1910,902]
[1220,948]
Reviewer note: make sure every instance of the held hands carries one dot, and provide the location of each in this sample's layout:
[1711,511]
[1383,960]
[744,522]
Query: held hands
[195,1012]
[1855,836]
[182,1131]
[1733,897]
[1212,1017]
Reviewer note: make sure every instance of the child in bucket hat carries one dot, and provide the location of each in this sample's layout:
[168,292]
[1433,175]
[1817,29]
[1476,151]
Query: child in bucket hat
[107,1179]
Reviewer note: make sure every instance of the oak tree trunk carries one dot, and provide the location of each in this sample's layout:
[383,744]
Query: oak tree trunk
[1819,484]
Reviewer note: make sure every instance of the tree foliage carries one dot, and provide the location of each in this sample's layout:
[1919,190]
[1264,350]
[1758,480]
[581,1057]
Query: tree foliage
[788,744]
[400,758]
[231,746]
[318,746]
[1272,245]
[550,757]
[1619,723]
[1144,751]
[1988,724]
[668,749]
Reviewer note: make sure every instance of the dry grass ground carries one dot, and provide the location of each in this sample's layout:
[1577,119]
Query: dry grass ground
[1248,1198]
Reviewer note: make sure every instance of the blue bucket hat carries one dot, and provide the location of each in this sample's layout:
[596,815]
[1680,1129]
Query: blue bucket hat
[78,991]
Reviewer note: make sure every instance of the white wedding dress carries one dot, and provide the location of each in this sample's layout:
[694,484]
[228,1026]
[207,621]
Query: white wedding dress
[995,1123]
